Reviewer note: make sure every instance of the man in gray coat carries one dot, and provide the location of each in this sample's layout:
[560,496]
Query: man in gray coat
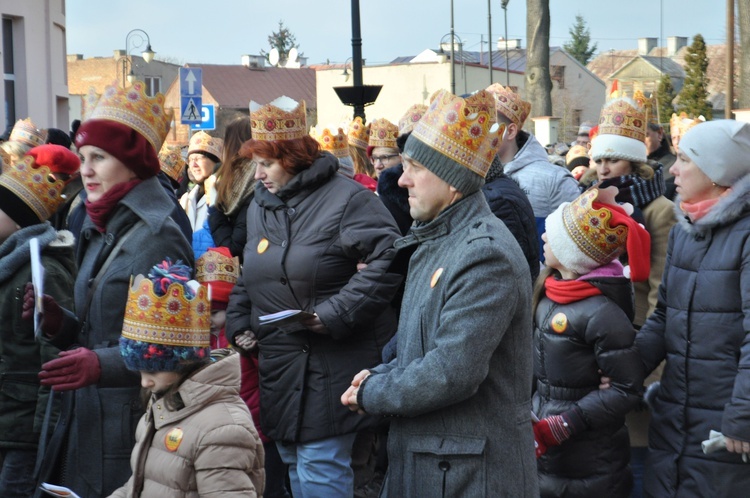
[460,385]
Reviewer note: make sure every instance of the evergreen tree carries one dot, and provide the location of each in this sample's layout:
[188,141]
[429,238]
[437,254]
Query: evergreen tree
[282,40]
[578,47]
[664,97]
[694,94]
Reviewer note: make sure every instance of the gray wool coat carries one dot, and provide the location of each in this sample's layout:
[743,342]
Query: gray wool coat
[460,388]
[701,327]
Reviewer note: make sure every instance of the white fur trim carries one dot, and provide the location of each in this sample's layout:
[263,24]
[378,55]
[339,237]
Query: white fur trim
[618,147]
[564,247]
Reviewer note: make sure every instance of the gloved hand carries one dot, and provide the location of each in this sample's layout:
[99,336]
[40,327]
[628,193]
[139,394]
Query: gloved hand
[53,313]
[550,431]
[71,370]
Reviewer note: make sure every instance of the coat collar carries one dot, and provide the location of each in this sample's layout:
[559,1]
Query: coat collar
[730,208]
[304,182]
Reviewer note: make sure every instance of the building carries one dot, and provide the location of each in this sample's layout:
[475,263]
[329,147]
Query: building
[33,55]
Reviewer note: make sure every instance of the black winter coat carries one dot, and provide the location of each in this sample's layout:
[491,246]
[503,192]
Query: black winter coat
[303,245]
[572,343]
[230,230]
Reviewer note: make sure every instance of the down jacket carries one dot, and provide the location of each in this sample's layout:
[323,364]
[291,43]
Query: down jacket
[209,447]
[701,326]
[303,246]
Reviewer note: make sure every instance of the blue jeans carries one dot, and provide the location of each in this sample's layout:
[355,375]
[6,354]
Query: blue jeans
[637,465]
[17,474]
[320,468]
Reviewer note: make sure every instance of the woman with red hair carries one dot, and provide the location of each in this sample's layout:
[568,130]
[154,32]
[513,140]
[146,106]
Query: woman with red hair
[321,243]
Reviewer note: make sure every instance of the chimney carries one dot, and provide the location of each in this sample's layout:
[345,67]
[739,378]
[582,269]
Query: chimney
[120,53]
[646,45]
[674,44]
[74,57]
[254,61]
[512,44]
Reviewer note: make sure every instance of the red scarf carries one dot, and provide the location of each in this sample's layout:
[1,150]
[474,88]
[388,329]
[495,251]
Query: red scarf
[100,211]
[569,291]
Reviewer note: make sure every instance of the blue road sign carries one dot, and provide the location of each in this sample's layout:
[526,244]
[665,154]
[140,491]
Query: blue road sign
[208,119]
[191,82]
[190,110]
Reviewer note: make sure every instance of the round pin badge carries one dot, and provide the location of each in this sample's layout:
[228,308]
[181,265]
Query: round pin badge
[262,245]
[559,323]
[173,439]
[435,277]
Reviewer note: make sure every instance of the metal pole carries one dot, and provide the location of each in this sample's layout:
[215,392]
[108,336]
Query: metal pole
[507,69]
[453,64]
[729,103]
[489,40]
[359,109]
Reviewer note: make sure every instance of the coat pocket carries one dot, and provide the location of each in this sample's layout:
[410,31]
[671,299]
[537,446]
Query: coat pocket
[20,386]
[448,466]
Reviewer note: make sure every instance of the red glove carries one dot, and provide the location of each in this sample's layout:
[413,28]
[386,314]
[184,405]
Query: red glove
[71,370]
[53,314]
[550,431]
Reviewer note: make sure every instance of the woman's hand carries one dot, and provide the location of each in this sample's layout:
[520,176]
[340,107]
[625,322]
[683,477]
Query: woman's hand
[247,341]
[315,325]
[349,398]
[736,446]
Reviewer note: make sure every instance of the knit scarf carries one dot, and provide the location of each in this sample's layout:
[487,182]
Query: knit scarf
[241,175]
[569,291]
[636,190]
[100,211]
[697,210]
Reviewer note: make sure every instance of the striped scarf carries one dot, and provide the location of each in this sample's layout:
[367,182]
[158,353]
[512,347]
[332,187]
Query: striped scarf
[636,190]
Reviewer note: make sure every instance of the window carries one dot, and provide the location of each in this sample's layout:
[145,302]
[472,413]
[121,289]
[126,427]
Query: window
[557,73]
[153,85]
[9,76]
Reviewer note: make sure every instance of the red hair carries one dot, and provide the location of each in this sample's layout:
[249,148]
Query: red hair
[294,155]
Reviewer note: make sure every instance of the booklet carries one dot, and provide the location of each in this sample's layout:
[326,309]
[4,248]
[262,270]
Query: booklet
[37,279]
[287,320]
[53,490]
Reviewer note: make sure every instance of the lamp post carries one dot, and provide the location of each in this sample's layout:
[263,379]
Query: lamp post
[453,64]
[148,54]
[504,4]
[455,37]
[489,39]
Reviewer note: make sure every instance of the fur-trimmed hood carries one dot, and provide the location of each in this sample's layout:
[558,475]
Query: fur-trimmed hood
[731,207]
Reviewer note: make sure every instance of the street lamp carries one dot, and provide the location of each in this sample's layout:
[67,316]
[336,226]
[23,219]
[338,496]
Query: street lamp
[489,39]
[148,54]
[454,37]
[504,4]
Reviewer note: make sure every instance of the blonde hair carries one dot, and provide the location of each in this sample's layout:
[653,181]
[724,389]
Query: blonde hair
[16,149]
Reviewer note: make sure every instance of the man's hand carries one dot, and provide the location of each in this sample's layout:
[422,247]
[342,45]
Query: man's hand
[247,341]
[349,398]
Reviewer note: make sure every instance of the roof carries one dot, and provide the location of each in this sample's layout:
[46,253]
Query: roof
[516,58]
[235,86]
[665,65]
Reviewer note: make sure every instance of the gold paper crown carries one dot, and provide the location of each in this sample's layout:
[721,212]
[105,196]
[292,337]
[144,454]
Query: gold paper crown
[359,133]
[462,129]
[337,144]
[203,142]
[88,103]
[649,106]
[683,122]
[171,319]
[623,117]
[269,122]
[26,132]
[590,228]
[510,104]
[171,161]
[34,185]
[133,108]
[383,133]
[409,120]
[216,267]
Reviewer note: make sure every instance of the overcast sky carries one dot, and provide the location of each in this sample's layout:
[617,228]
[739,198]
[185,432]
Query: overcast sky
[221,31]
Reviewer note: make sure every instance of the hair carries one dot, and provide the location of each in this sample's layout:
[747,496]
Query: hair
[58,137]
[362,165]
[641,170]
[15,148]
[237,133]
[401,141]
[538,292]
[521,135]
[295,155]
[171,396]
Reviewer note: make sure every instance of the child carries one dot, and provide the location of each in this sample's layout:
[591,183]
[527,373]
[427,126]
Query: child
[583,307]
[197,436]
[29,195]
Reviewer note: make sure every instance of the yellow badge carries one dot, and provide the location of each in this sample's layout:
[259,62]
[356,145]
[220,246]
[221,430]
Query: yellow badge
[262,245]
[559,323]
[173,439]
[436,277]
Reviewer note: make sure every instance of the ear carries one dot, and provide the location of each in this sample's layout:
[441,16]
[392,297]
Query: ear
[511,131]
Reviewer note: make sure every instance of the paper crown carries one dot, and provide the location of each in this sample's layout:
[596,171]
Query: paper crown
[335,143]
[37,194]
[26,132]
[281,119]
[462,129]
[648,104]
[579,154]
[679,125]
[359,133]
[203,142]
[383,133]
[133,108]
[510,104]
[622,132]
[171,161]
[88,103]
[410,119]
[219,270]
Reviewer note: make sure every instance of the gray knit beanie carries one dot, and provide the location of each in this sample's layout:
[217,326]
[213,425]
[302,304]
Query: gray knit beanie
[458,176]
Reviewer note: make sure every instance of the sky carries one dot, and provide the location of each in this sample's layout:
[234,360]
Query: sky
[221,31]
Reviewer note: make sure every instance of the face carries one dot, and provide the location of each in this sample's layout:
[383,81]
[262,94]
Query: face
[675,140]
[7,226]
[218,320]
[101,171]
[200,166]
[583,140]
[383,158]
[692,184]
[549,258]
[653,140]
[270,172]
[428,193]
[612,168]
[158,382]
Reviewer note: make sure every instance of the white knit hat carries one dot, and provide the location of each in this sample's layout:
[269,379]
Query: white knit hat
[622,132]
[721,149]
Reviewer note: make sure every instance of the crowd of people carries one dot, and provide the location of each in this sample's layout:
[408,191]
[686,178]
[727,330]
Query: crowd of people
[434,307]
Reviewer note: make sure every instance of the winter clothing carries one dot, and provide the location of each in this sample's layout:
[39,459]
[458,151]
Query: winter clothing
[700,328]
[720,149]
[622,132]
[178,214]
[123,142]
[303,245]
[209,447]
[510,104]
[228,219]
[395,198]
[663,155]
[460,383]
[203,143]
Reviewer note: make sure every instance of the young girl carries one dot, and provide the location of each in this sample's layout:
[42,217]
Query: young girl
[583,307]
[197,436]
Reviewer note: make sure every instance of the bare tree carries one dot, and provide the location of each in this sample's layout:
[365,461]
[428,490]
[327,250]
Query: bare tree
[743,20]
[538,81]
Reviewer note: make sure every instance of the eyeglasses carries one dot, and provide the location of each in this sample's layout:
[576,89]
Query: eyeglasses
[382,159]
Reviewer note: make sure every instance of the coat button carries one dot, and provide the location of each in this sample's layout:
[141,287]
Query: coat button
[109,238]
[291,211]
[282,280]
[444,466]
[306,348]
[283,243]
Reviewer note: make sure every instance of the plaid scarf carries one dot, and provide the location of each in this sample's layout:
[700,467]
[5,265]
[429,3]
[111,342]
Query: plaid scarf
[636,190]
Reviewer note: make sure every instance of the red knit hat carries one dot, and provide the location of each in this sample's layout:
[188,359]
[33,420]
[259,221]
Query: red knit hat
[57,158]
[219,271]
[127,145]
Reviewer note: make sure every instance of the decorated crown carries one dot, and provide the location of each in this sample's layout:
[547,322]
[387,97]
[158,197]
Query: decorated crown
[510,104]
[171,161]
[383,133]
[410,118]
[624,117]
[462,129]
[88,103]
[33,184]
[281,119]
[359,133]
[215,266]
[649,106]
[683,122]
[337,144]
[26,132]
[590,227]
[133,108]
[203,142]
